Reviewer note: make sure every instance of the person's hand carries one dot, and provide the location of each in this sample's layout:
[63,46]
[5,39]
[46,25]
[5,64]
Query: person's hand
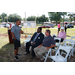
[47,47]
[39,46]
[21,32]
[14,38]
[57,36]
[33,43]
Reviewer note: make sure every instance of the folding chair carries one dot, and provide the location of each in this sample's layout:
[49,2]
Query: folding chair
[73,37]
[27,40]
[48,54]
[59,57]
[57,44]
[54,35]
[70,44]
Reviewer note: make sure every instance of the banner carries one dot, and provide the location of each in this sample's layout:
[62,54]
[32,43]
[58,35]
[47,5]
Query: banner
[30,24]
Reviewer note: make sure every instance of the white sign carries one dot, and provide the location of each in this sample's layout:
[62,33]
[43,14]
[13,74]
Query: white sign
[30,24]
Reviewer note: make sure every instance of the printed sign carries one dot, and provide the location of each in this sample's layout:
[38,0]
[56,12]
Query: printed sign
[30,24]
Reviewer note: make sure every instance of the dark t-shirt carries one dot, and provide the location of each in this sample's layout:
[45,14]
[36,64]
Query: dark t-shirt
[48,41]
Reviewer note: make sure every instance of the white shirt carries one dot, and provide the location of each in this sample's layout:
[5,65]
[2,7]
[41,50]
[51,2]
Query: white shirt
[13,25]
[7,25]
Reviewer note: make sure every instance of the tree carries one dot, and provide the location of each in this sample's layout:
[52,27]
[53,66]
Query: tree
[0,16]
[13,17]
[63,14]
[56,16]
[42,19]
[0,20]
[5,19]
[70,16]
[31,18]
[3,15]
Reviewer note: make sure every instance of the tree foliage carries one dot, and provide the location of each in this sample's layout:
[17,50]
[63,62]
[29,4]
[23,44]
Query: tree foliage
[13,17]
[40,19]
[3,15]
[56,16]
[31,18]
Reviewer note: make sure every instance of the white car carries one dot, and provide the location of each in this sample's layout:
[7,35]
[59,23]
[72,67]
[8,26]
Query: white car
[7,25]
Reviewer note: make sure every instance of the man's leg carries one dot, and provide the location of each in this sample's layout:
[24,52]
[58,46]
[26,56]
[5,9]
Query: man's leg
[33,53]
[15,51]
[28,44]
[41,51]
[16,47]
[36,50]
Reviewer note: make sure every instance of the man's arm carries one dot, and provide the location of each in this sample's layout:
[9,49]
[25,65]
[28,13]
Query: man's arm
[13,35]
[33,36]
[21,32]
[50,47]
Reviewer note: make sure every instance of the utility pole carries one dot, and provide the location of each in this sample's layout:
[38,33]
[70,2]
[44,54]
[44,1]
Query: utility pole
[7,17]
[25,16]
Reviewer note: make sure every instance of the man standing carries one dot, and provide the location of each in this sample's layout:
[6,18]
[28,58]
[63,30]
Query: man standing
[44,47]
[16,31]
[35,41]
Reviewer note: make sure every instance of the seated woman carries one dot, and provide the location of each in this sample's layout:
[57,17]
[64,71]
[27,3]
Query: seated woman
[61,35]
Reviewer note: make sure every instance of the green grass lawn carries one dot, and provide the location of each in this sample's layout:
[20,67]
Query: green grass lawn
[6,49]
[70,32]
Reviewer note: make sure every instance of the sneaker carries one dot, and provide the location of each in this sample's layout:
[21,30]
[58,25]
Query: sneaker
[16,58]
[18,55]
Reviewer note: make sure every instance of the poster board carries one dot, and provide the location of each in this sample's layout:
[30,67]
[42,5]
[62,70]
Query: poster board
[29,24]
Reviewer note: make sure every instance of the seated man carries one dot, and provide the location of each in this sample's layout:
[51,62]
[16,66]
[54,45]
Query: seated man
[44,47]
[35,41]
[61,35]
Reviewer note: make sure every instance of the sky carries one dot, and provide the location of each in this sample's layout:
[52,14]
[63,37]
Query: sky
[22,14]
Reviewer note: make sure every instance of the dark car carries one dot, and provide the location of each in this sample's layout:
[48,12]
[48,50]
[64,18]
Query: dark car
[70,26]
[51,25]
[45,26]
[48,26]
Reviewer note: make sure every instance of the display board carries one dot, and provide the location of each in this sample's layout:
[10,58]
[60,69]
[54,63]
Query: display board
[29,24]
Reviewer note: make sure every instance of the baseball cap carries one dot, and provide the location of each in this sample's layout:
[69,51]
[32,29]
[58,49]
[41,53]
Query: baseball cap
[62,27]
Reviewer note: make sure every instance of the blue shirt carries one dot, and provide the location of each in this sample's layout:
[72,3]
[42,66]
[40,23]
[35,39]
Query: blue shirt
[15,29]
[48,41]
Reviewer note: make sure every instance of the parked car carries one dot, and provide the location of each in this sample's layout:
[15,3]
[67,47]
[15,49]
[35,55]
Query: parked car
[45,26]
[70,26]
[2,25]
[52,25]
[48,26]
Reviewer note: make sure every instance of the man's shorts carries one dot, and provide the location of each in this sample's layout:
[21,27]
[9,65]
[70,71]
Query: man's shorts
[16,44]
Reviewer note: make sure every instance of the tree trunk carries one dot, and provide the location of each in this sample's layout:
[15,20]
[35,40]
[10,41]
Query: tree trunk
[63,19]
[56,18]
[56,22]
